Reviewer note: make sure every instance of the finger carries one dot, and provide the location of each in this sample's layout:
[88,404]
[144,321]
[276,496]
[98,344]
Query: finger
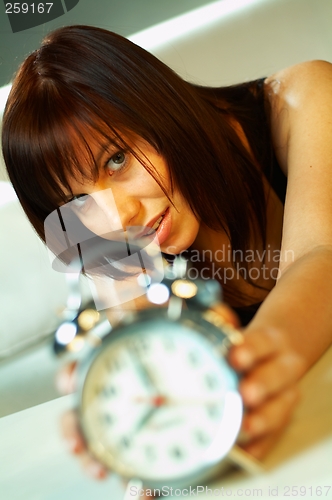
[258,345]
[271,417]
[269,378]
[227,314]
[76,445]
[134,491]
[65,379]
[71,432]
[260,447]
[92,467]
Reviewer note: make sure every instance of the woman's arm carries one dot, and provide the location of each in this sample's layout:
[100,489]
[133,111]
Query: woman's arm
[301,124]
[293,327]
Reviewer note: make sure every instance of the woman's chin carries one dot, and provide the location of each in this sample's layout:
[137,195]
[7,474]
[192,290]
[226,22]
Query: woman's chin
[177,247]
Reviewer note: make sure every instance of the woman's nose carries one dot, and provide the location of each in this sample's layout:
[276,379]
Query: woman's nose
[115,210]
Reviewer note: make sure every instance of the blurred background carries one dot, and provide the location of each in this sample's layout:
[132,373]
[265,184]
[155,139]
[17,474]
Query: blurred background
[122,16]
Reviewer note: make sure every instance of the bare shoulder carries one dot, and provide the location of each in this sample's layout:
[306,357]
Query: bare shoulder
[300,75]
[298,95]
[301,124]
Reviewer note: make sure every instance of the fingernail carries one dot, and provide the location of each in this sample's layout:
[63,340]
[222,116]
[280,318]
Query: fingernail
[61,383]
[74,446]
[244,357]
[96,471]
[252,393]
[71,445]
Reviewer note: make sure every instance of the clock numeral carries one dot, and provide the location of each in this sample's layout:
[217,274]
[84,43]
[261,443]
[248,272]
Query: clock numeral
[142,344]
[193,358]
[201,438]
[211,381]
[214,411]
[177,452]
[114,365]
[108,391]
[125,442]
[107,418]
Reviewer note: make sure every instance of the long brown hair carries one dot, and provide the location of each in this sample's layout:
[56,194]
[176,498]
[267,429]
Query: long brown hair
[88,77]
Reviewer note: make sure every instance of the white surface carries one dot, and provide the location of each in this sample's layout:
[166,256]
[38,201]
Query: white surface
[4,91]
[190,23]
[7,193]
[28,379]
[253,42]
[35,464]
[32,294]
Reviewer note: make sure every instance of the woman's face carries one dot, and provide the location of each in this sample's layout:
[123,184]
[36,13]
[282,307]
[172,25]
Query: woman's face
[127,195]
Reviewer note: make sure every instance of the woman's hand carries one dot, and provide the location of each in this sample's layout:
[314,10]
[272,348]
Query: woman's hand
[270,372]
[66,384]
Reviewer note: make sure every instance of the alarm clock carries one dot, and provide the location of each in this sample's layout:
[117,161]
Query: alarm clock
[157,400]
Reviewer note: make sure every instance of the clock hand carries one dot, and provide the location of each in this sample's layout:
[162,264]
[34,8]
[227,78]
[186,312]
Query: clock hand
[127,439]
[157,426]
[145,419]
[160,400]
[145,373]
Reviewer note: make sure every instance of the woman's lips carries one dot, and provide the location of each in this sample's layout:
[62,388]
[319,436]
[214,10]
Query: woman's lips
[164,227]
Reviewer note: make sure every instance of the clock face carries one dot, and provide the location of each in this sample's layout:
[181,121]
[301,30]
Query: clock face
[160,402]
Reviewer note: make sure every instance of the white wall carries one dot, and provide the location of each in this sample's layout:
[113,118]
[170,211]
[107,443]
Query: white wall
[252,42]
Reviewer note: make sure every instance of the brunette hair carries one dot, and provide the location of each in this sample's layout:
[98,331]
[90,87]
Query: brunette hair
[88,78]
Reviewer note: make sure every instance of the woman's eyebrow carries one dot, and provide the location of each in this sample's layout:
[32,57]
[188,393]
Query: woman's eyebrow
[107,147]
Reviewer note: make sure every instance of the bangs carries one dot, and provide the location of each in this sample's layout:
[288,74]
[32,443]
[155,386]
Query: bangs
[64,153]
[50,145]
[85,83]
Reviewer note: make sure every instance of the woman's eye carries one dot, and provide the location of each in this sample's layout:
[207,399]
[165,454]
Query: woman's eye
[117,161]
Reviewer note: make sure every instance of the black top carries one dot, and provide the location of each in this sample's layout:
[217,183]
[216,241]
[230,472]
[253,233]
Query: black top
[247,103]
[252,94]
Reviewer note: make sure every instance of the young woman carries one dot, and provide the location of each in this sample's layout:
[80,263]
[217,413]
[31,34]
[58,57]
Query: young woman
[239,177]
